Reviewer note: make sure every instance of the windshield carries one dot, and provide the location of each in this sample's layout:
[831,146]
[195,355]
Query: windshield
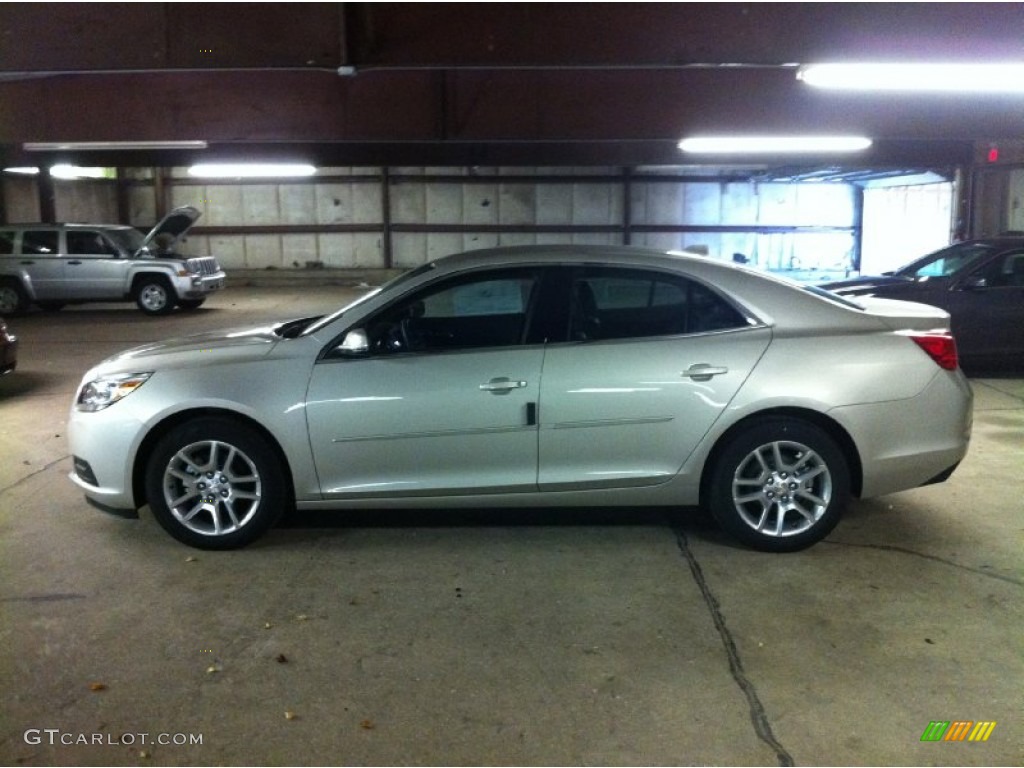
[129,240]
[945,262]
[389,286]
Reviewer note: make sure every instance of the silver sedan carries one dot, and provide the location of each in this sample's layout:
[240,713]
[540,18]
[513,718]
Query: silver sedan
[540,376]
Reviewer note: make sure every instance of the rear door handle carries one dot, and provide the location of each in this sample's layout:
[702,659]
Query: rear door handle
[502,385]
[76,261]
[28,261]
[703,371]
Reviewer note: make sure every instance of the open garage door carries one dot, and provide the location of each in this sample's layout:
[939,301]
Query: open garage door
[902,221]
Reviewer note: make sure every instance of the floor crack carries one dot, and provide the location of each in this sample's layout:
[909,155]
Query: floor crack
[758,716]
[30,475]
[936,558]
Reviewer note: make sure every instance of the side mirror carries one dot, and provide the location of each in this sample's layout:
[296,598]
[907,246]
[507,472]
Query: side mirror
[974,283]
[356,342]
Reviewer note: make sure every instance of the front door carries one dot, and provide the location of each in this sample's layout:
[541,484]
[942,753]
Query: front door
[93,267]
[987,308]
[442,402]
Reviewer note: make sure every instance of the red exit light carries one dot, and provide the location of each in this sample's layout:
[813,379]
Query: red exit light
[993,154]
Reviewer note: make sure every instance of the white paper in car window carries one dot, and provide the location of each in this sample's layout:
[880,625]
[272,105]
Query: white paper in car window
[494,297]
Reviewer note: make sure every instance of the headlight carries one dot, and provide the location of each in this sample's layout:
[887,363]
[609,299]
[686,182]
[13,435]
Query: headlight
[97,394]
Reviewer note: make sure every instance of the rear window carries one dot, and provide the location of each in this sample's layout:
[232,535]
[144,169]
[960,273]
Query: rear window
[834,298]
[40,242]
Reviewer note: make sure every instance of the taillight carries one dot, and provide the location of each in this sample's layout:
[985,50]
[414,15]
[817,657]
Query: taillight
[941,347]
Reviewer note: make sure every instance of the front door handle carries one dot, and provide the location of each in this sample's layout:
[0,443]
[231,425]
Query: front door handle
[502,385]
[76,261]
[703,371]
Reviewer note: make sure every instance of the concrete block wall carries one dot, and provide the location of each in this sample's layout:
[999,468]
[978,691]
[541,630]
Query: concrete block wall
[517,199]
[264,204]
[724,204]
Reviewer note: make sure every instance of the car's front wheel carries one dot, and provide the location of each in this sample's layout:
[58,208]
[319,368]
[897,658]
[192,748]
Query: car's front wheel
[154,295]
[779,485]
[215,483]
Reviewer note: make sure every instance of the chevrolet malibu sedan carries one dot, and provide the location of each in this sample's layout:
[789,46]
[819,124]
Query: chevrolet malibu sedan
[538,376]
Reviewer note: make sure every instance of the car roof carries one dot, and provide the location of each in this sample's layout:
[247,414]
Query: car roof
[570,254]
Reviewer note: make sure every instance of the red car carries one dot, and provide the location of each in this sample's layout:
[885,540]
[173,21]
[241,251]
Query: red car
[8,349]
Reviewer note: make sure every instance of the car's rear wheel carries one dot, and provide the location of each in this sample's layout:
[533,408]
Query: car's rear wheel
[13,299]
[215,484]
[154,295]
[190,303]
[779,485]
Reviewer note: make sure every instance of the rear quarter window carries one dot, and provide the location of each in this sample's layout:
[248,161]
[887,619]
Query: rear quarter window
[40,242]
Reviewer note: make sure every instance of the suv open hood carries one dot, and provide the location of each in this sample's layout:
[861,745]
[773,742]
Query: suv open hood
[176,224]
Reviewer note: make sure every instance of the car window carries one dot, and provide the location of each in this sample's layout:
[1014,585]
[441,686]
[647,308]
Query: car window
[608,303]
[39,242]
[1004,271]
[947,261]
[489,309]
[129,240]
[6,243]
[84,242]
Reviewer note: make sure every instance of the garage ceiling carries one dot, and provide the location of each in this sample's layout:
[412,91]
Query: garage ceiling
[486,84]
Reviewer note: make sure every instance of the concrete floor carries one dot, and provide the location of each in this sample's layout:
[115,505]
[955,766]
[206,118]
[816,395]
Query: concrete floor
[600,638]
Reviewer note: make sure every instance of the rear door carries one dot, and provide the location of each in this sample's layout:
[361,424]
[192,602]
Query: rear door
[652,360]
[41,258]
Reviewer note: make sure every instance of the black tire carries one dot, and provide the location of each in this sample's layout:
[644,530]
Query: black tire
[190,303]
[780,485]
[13,299]
[154,295]
[51,306]
[239,491]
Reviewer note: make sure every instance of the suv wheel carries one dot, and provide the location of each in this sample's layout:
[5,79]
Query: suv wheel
[154,295]
[780,485]
[13,299]
[215,483]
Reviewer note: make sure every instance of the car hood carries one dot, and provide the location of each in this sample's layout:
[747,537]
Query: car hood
[861,285]
[233,344]
[176,224]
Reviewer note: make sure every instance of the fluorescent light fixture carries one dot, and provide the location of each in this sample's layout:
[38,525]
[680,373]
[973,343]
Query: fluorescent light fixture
[249,170]
[99,146]
[24,170]
[78,172]
[772,144]
[970,78]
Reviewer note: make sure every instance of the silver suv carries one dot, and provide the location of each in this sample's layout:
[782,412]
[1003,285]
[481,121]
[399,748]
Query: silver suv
[56,264]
